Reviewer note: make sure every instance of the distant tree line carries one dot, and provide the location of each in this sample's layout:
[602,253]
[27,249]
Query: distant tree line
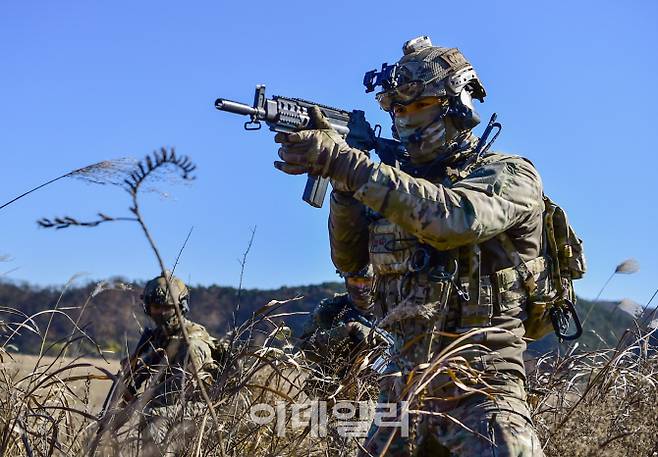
[111,312]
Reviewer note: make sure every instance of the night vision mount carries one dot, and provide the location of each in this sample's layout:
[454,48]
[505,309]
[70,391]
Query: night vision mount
[386,78]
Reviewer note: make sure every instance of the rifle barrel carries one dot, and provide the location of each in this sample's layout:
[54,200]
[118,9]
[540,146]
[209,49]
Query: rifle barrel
[235,107]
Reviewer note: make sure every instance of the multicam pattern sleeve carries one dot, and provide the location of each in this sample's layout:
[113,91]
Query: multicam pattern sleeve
[495,197]
[348,232]
[200,351]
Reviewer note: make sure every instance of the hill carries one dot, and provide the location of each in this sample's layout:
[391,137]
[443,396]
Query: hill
[110,312]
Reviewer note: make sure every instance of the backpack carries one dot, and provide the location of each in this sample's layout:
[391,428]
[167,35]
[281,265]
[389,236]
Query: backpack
[551,297]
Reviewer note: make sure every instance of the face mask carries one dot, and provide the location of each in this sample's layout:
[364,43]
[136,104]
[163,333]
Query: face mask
[424,132]
[166,319]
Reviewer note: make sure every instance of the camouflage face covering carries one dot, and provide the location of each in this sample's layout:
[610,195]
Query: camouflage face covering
[165,317]
[425,132]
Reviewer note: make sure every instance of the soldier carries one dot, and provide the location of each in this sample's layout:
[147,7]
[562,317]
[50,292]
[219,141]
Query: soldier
[345,316]
[347,350]
[163,364]
[339,328]
[454,235]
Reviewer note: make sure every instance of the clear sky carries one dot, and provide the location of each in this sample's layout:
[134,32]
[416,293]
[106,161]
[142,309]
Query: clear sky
[82,81]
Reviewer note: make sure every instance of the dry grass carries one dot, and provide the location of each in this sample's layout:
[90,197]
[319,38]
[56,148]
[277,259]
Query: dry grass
[599,403]
[50,405]
[24,364]
[584,404]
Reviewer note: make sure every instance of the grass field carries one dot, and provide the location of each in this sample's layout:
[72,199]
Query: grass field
[24,364]
[599,403]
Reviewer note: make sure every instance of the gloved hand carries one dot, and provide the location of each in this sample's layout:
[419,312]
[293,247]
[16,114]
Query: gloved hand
[322,151]
[355,331]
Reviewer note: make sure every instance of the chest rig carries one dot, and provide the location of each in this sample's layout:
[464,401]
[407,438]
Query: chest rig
[416,281]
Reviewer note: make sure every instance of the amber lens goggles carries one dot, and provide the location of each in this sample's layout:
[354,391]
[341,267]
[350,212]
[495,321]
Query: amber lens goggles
[402,95]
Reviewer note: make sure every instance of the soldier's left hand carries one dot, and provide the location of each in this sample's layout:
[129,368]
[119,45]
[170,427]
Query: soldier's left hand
[309,151]
[354,330]
[320,151]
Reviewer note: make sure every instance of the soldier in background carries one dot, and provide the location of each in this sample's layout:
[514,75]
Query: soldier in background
[162,367]
[347,351]
[454,235]
[342,328]
[345,319]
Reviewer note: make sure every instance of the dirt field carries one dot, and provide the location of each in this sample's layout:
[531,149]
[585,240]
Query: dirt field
[24,364]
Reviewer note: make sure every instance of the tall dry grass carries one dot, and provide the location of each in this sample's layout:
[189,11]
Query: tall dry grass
[583,403]
[598,403]
[46,410]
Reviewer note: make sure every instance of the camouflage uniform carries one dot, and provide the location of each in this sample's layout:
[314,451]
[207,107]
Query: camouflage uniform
[163,367]
[327,326]
[455,238]
[501,194]
[166,362]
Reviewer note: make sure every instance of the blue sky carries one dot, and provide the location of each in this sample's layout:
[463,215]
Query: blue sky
[88,81]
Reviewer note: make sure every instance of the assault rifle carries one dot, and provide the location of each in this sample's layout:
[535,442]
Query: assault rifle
[380,363]
[283,114]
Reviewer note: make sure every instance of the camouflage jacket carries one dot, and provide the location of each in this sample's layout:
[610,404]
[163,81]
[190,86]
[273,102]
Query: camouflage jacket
[404,224]
[326,331]
[338,333]
[164,363]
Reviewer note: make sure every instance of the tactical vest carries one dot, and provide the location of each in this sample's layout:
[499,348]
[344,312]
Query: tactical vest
[415,281]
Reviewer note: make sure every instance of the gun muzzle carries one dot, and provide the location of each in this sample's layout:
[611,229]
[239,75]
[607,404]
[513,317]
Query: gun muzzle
[235,107]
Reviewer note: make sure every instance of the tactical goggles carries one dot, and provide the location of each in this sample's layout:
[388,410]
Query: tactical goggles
[395,92]
[402,95]
[407,93]
[157,300]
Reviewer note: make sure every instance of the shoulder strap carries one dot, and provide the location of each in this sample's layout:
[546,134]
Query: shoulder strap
[551,242]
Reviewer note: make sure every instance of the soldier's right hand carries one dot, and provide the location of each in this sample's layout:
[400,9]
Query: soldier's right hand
[322,152]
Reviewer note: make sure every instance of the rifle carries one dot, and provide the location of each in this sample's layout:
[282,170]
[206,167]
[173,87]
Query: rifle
[380,363]
[283,114]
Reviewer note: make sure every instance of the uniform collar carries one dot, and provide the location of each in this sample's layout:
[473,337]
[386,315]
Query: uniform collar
[449,162]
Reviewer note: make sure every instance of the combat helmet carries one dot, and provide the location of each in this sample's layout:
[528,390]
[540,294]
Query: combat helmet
[429,71]
[156,292]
